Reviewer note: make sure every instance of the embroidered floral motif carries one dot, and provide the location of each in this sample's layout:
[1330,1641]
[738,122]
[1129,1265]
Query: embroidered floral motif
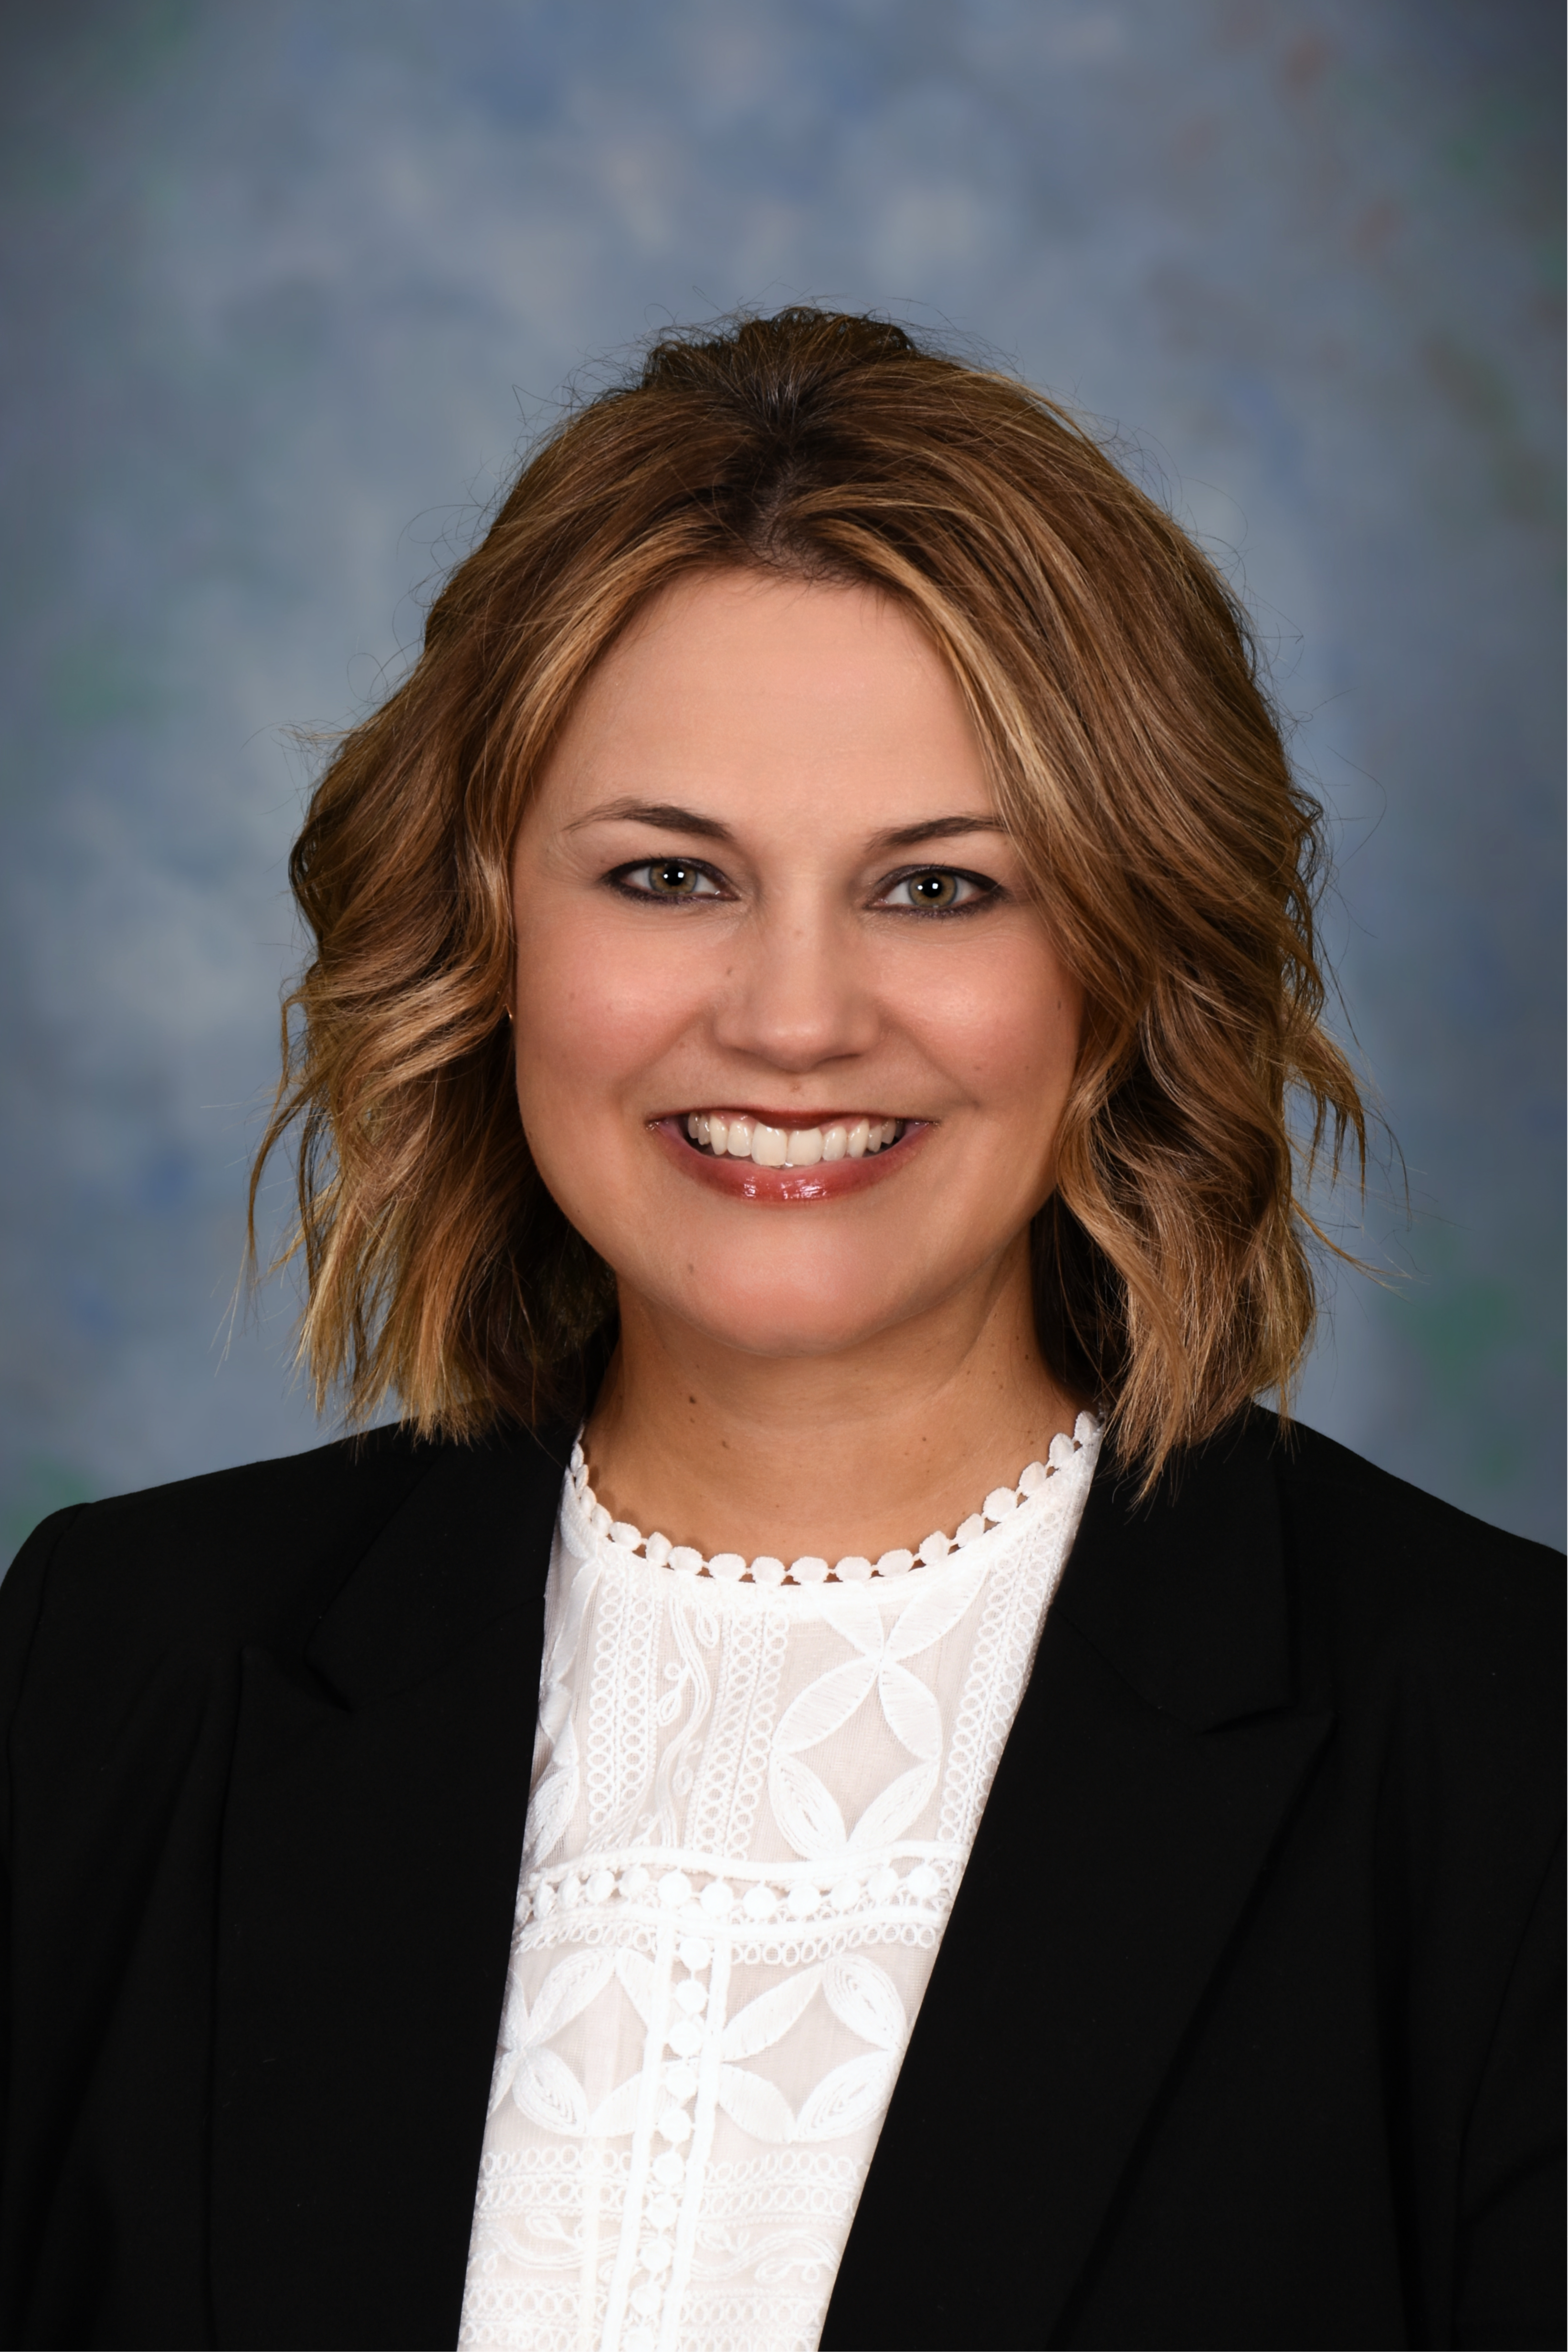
[751,1806]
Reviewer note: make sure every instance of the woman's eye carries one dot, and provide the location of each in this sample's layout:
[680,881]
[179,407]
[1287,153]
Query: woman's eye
[668,877]
[935,890]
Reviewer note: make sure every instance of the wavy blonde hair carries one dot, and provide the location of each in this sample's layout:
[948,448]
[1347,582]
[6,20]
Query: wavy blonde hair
[1114,685]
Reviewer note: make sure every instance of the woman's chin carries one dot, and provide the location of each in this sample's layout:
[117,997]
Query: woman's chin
[754,1323]
[798,1289]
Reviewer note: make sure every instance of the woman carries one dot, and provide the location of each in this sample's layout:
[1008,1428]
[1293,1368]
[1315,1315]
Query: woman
[834,1776]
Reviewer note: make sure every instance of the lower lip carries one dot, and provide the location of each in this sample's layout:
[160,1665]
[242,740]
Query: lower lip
[831,1180]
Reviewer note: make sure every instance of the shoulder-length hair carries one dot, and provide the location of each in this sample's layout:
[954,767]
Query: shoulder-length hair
[1113,683]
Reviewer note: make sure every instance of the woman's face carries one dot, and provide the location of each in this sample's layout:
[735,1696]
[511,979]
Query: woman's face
[762,892]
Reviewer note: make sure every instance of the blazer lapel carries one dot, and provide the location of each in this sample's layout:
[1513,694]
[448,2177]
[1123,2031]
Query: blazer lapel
[372,1844]
[1149,1771]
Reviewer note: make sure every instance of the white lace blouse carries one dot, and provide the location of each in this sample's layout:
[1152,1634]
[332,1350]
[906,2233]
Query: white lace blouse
[751,1808]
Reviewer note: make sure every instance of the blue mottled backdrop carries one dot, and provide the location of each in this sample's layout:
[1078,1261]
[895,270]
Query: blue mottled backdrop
[286,281]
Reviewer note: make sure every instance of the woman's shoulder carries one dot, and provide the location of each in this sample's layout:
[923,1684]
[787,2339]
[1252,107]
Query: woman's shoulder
[107,1593]
[1272,1558]
[1351,1519]
[260,1551]
[1414,1599]
[131,1629]
[205,1561]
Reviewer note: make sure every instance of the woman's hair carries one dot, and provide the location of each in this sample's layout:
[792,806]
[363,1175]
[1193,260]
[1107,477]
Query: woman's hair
[1113,683]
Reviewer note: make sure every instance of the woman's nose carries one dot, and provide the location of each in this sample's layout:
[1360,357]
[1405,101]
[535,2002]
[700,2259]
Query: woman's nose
[797,993]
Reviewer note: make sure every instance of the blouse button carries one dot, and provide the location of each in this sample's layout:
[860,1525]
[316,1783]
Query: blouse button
[674,1890]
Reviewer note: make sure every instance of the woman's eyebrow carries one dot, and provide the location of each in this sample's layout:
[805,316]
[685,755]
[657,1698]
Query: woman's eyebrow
[666,816]
[938,828]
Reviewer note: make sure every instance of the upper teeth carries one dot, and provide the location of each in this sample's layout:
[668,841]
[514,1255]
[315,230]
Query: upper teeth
[741,1138]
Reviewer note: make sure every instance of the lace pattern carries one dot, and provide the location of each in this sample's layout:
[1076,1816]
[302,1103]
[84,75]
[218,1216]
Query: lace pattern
[751,1806]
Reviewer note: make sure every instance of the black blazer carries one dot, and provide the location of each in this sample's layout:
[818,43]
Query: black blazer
[1240,2034]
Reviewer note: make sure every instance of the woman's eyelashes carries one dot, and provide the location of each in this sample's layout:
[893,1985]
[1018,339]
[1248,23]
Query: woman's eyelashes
[919,891]
[667,879]
[936,890]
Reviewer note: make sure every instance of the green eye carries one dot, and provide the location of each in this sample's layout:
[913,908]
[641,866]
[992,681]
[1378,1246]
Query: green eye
[679,881]
[938,890]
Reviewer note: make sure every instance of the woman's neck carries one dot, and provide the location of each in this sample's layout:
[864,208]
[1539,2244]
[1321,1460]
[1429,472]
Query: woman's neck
[862,1451]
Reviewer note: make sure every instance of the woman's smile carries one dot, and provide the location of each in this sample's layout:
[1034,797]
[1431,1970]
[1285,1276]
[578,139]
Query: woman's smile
[779,1139]
[779,1157]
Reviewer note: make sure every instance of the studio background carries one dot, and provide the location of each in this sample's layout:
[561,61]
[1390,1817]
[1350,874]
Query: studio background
[287,283]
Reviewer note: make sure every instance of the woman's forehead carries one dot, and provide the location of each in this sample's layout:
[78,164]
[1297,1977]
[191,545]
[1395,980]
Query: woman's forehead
[745,694]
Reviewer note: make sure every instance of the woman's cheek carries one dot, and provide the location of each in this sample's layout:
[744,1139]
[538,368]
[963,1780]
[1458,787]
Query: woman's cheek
[584,1015]
[1010,1034]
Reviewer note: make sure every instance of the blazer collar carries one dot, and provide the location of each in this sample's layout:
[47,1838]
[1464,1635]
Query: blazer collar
[1154,1759]
[471,1539]
[372,1843]
[1184,1594]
